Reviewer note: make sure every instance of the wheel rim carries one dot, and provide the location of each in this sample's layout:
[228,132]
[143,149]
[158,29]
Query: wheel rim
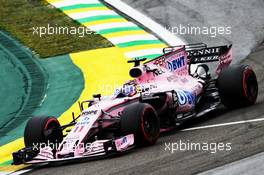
[51,131]
[149,125]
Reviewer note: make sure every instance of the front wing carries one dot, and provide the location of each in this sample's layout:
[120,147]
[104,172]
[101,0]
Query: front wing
[99,148]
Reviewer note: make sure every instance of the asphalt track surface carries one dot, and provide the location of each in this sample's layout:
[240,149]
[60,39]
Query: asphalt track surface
[246,139]
[246,19]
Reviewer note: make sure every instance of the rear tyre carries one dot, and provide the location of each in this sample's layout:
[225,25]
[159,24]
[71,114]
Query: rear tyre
[141,120]
[238,86]
[42,130]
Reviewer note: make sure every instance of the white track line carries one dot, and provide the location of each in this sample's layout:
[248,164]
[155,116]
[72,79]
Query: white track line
[224,124]
[4,173]
[16,172]
[92,13]
[73,2]
[20,172]
[160,31]
[123,39]
[111,25]
[248,165]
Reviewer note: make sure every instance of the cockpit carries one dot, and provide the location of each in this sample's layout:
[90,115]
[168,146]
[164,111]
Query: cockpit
[128,89]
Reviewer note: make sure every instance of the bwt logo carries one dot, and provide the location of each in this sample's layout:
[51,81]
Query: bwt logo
[185,97]
[176,64]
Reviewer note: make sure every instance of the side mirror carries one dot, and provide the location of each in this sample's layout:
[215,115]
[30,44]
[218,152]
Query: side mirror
[97,96]
[137,61]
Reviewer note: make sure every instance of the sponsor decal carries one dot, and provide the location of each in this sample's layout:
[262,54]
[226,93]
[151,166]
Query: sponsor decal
[205,59]
[224,61]
[140,88]
[204,55]
[145,88]
[185,97]
[79,129]
[184,79]
[91,112]
[176,63]
[124,142]
[85,120]
[158,72]
[160,61]
[172,78]
[128,89]
[204,52]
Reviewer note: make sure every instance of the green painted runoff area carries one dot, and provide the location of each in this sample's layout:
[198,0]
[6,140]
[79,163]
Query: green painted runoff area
[33,87]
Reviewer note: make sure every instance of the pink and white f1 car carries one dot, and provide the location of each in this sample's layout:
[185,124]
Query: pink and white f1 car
[164,93]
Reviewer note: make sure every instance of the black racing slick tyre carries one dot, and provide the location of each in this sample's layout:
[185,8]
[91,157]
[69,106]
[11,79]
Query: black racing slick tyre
[141,120]
[42,130]
[238,86]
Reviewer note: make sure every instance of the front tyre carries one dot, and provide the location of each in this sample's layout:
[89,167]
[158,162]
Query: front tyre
[238,86]
[42,130]
[141,120]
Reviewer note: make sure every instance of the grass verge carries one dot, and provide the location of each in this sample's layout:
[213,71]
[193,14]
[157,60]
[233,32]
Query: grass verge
[18,17]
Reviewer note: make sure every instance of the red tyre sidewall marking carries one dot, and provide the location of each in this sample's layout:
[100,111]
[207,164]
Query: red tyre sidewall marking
[142,127]
[246,74]
[49,121]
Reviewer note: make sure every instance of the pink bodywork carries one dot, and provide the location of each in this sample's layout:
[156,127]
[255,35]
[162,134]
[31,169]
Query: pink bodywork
[172,74]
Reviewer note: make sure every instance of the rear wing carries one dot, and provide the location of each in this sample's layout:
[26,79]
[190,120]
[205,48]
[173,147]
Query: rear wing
[194,54]
[200,53]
